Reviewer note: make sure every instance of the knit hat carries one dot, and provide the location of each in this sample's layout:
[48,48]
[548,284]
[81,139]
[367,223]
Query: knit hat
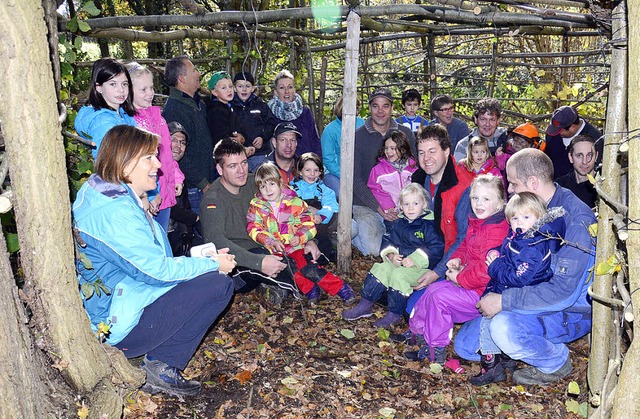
[383,92]
[216,77]
[562,117]
[244,76]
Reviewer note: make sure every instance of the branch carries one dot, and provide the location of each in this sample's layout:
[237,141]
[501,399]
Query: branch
[78,139]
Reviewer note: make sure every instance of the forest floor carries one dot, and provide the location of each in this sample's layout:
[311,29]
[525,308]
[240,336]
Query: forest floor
[302,361]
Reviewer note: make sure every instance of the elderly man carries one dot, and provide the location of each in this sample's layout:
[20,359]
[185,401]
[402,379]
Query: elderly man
[565,125]
[367,214]
[487,118]
[442,108]
[583,156]
[187,107]
[224,222]
[532,324]
[284,143]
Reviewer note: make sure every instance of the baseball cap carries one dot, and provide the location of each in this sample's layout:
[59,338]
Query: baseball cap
[175,126]
[216,77]
[283,127]
[562,117]
[381,92]
[241,75]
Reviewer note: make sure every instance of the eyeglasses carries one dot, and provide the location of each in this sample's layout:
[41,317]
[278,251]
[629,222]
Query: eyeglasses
[449,109]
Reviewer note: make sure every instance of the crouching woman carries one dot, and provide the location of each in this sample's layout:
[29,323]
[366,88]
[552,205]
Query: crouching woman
[157,305]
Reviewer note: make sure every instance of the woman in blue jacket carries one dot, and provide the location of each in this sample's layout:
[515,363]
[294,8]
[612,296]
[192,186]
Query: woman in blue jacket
[156,305]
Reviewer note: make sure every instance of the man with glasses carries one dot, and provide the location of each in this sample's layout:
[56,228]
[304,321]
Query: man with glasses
[583,156]
[284,142]
[487,118]
[443,108]
[565,125]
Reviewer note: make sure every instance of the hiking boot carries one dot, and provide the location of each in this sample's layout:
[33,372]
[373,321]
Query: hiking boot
[407,337]
[313,296]
[273,295]
[347,294]
[493,369]
[532,375]
[435,354]
[166,379]
[388,320]
[363,309]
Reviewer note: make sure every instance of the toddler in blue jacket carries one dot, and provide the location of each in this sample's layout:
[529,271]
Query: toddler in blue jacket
[524,259]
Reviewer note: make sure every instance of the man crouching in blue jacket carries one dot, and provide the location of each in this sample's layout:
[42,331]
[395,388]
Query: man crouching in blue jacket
[532,324]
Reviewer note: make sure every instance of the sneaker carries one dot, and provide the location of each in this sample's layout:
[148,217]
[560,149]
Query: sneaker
[347,294]
[493,369]
[388,320]
[437,355]
[363,309]
[166,379]
[273,295]
[313,296]
[407,337]
[532,375]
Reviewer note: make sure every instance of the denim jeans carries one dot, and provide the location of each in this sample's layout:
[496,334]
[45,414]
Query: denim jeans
[537,339]
[370,229]
[163,218]
[487,345]
[333,183]
[195,195]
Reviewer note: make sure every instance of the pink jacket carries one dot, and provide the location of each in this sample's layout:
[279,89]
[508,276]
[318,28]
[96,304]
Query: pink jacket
[386,182]
[151,119]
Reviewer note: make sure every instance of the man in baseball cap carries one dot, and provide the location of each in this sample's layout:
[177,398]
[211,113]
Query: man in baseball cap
[565,125]
[284,143]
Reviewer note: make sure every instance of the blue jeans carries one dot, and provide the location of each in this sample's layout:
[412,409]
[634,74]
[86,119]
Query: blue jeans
[370,229]
[537,339]
[171,328]
[195,195]
[333,183]
[487,345]
[163,218]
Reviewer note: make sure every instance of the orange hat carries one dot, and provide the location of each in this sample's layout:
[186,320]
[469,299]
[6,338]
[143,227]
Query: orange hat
[529,132]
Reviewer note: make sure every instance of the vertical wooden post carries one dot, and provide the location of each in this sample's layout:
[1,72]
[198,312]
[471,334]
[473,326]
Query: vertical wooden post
[312,94]
[347,145]
[432,72]
[321,96]
[494,65]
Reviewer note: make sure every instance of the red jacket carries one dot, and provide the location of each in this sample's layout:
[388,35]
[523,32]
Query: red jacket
[482,236]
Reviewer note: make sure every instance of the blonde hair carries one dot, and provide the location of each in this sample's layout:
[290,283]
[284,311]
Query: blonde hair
[136,70]
[414,189]
[283,74]
[524,201]
[268,172]
[490,181]
[475,141]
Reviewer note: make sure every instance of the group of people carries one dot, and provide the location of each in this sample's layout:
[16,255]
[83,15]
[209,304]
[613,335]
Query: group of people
[248,176]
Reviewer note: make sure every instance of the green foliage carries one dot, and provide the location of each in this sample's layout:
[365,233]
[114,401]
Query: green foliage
[8,220]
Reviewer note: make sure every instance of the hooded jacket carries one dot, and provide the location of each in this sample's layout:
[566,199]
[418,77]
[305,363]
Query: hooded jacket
[130,254]
[93,124]
[525,256]
[386,182]
[325,195]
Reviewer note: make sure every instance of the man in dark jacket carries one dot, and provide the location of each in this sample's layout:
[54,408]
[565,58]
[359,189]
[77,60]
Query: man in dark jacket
[583,157]
[565,125]
[187,107]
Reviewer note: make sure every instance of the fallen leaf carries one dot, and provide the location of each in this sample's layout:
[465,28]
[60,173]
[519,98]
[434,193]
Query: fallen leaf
[573,388]
[435,368]
[243,376]
[347,333]
[387,412]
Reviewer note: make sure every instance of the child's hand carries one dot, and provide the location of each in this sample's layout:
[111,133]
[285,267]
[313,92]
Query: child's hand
[257,142]
[250,151]
[452,275]
[408,263]
[454,264]
[278,247]
[499,151]
[179,187]
[491,256]
[317,219]
[154,206]
[395,258]
[313,210]
[295,241]
[237,136]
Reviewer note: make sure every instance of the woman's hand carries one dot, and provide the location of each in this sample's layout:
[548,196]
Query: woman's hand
[227,262]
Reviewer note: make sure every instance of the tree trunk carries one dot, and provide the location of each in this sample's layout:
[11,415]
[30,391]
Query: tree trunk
[36,156]
[602,332]
[628,389]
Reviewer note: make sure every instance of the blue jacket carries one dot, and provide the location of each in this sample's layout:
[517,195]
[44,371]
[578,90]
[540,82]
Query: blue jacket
[326,196]
[130,254]
[330,140]
[419,235]
[93,125]
[567,289]
[525,256]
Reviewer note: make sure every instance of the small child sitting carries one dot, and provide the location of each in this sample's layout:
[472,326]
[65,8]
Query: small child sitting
[411,101]
[409,250]
[479,160]
[393,171]
[281,222]
[321,200]
[524,259]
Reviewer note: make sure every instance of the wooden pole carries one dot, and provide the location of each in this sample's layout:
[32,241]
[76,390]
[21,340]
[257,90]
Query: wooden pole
[494,65]
[321,96]
[348,134]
